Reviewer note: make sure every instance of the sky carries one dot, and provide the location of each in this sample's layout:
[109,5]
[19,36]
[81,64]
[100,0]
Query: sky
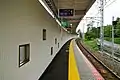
[111,9]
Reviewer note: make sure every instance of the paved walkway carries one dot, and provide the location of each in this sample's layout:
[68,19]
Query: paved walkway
[86,69]
[70,64]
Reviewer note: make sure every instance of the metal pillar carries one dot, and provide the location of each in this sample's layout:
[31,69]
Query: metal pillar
[113,38]
[83,31]
[97,29]
[102,24]
[113,44]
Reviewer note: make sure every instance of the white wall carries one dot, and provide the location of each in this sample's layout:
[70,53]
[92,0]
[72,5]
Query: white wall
[22,22]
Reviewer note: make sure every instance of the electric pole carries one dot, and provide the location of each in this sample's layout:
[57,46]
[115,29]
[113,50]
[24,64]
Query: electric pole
[83,31]
[102,25]
[113,42]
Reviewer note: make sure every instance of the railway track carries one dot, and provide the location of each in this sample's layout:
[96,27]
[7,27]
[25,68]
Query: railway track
[103,70]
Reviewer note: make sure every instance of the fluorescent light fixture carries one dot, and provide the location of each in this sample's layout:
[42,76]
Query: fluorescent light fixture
[50,11]
[71,24]
[46,7]
[65,29]
[58,22]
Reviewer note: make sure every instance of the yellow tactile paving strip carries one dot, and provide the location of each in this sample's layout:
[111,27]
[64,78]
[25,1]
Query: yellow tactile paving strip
[73,73]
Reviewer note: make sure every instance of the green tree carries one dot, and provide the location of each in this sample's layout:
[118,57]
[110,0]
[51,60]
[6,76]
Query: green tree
[107,31]
[92,33]
[117,30]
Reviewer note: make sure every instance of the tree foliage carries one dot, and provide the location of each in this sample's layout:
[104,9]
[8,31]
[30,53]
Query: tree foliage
[108,31]
[93,32]
[117,30]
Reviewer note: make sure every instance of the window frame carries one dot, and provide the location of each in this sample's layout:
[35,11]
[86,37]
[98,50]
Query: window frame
[44,34]
[51,50]
[55,40]
[26,54]
[58,45]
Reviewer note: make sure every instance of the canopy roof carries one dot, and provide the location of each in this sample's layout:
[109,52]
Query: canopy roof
[80,8]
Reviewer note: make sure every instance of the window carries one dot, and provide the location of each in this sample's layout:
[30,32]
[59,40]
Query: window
[44,34]
[58,45]
[51,50]
[55,40]
[24,54]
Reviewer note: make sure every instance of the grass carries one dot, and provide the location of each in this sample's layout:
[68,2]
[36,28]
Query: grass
[107,39]
[116,40]
[92,44]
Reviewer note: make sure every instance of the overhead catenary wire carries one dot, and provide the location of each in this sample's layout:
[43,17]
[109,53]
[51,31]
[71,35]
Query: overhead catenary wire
[110,3]
[98,6]
[105,6]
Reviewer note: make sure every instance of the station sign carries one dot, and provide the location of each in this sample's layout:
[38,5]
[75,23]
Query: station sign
[66,12]
[64,24]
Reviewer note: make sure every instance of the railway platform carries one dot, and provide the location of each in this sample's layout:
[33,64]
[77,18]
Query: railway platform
[71,64]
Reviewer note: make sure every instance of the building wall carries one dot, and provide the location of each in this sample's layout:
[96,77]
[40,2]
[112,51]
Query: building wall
[22,22]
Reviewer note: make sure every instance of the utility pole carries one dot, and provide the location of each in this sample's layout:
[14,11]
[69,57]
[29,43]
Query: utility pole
[112,37]
[97,29]
[102,25]
[83,31]
[113,42]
